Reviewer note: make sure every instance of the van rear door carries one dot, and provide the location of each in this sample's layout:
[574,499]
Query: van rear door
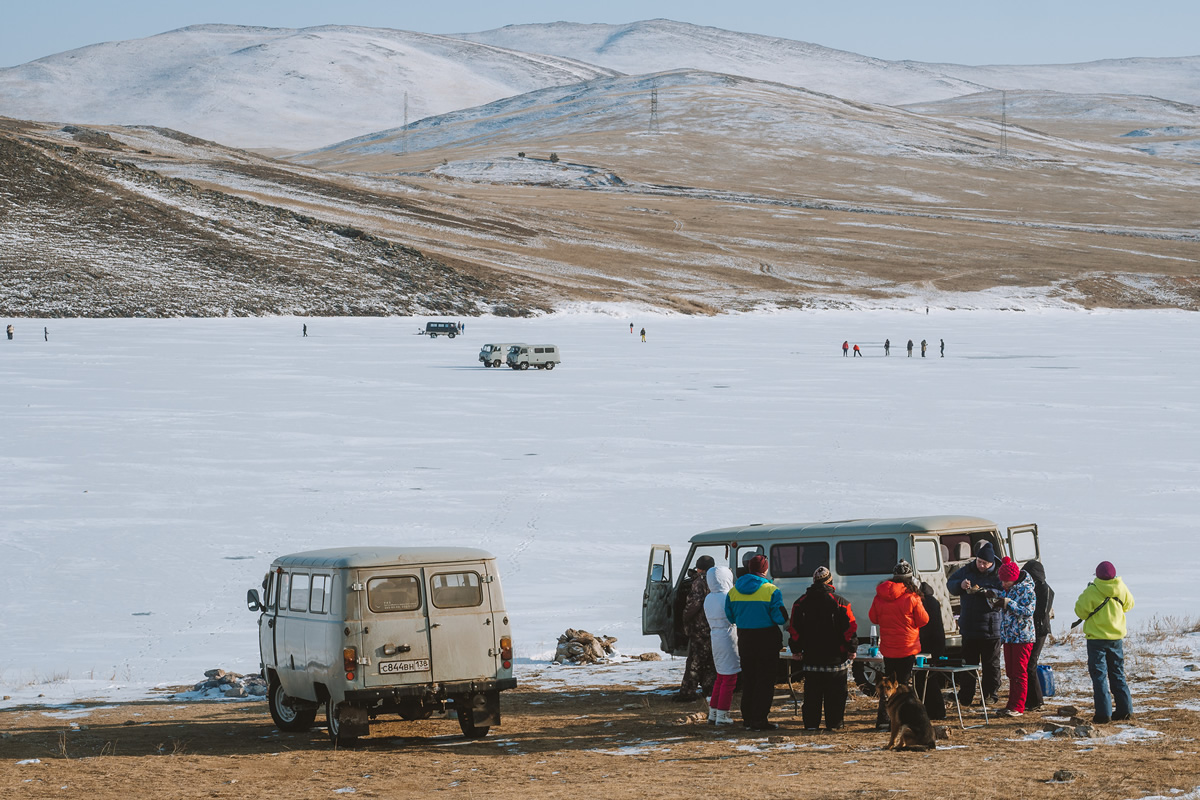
[461,634]
[656,600]
[397,641]
[1023,543]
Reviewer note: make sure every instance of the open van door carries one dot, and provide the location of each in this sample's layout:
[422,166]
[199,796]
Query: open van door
[656,601]
[1023,543]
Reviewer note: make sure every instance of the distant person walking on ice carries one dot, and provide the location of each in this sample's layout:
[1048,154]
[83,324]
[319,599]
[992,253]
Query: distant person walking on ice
[1101,610]
[887,347]
[631,328]
[857,352]
[910,348]
[46,333]
[10,332]
[924,345]
[643,334]
[942,342]
[306,329]
[845,348]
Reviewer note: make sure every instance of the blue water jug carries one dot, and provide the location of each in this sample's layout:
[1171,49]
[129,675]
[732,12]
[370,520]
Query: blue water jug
[1046,680]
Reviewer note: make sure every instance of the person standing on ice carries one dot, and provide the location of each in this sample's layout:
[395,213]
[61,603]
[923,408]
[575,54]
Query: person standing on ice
[10,332]
[857,352]
[643,334]
[910,348]
[924,345]
[306,329]
[942,342]
[887,347]
[845,348]
[1102,608]
[723,635]
[631,329]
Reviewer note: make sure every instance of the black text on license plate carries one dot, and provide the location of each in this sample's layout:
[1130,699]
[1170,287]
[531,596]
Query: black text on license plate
[399,667]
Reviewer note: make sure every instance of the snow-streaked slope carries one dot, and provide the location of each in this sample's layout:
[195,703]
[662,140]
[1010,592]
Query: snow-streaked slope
[660,45]
[1034,104]
[275,87]
[656,45]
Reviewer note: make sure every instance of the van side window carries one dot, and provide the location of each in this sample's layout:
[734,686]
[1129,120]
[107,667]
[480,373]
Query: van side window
[272,588]
[549,349]
[299,598]
[285,583]
[455,590]
[798,560]
[321,594]
[539,349]
[395,593]
[866,557]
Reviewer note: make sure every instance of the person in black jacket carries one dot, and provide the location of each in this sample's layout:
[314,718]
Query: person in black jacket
[823,631]
[979,622]
[1044,596]
[933,641]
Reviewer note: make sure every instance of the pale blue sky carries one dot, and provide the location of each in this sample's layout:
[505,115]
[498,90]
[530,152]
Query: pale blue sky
[962,31]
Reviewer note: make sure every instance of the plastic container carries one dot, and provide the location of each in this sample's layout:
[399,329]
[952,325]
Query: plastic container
[1045,677]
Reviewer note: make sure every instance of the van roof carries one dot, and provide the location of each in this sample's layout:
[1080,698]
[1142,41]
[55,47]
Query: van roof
[335,557]
[849,527]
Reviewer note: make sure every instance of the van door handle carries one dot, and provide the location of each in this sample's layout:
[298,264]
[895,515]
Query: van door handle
[271,622]
[435,625]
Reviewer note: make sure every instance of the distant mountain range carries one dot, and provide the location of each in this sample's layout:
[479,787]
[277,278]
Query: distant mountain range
[302,89]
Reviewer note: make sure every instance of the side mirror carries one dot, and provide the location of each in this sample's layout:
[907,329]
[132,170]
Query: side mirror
[252,601]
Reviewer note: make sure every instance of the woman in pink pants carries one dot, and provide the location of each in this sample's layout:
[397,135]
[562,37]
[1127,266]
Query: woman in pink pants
[1017,632]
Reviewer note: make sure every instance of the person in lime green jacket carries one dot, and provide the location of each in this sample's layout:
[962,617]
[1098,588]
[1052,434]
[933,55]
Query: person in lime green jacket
[1102,607]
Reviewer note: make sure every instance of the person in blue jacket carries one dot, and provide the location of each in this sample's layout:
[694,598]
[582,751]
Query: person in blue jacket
[979,621]
[755,606]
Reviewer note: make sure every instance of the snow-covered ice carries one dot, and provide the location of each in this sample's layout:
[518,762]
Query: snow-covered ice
[153,468]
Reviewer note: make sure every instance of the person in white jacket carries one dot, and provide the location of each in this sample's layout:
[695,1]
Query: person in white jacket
[724,645]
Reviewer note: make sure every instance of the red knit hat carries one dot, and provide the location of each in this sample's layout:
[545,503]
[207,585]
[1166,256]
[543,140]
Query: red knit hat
[1009,571]
[758,565]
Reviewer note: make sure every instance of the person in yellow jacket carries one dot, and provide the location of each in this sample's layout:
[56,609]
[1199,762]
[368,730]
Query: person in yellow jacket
[1102,608]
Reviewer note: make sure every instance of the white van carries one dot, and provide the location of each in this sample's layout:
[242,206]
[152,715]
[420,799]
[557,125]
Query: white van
[542,356]
[493,355]
[860,553]
[384,630]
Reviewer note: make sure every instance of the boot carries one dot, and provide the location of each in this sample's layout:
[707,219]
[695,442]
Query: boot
[712,715]
[723,718]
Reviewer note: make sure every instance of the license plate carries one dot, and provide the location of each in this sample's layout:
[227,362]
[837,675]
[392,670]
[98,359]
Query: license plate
[397,667]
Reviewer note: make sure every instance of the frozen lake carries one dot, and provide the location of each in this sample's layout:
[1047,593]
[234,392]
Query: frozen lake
[151,469]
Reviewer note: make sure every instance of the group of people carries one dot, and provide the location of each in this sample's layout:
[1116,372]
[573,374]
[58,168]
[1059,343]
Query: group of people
[887,348]
[733,629]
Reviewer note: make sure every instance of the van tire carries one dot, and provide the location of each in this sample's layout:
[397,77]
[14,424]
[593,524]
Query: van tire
[469,728]
[549,365]
[496,363]
[451,335]
[524,365]
[433,336]
[331,722]
[286,716]
[865,678]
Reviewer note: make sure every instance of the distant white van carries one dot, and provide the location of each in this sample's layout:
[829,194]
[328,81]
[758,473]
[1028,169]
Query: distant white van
[542,356]
[384,630]
[493,355]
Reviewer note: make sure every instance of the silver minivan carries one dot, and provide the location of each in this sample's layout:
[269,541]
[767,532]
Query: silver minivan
[493,355]
[541,356]
[860,553]
[384,630]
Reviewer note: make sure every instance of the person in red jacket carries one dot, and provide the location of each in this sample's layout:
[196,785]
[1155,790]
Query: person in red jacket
[899,613]
[857,352]
[845,345]
[824,633]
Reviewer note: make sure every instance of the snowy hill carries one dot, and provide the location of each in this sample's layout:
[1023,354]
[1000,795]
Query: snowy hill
[656,45]
[275,87]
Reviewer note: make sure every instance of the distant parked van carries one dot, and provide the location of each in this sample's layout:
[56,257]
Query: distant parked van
[493,355]
[383,630]
[542,356]
[434,329]
[860,553]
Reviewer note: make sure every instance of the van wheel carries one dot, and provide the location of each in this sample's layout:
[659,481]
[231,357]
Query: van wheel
[335,728]
[524,365]
[469,728]
[451,335]
[433,336]
[287,716]
[496,363]
[549,365]
[865,677]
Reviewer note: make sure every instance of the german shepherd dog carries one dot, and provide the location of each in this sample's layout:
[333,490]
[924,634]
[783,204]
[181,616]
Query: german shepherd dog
[911,729]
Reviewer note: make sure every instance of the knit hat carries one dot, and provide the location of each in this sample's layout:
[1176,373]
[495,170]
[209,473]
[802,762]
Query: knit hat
[758,565]
[986,552]
[902,570]
[822,575]
[1009,571]
[1105,571]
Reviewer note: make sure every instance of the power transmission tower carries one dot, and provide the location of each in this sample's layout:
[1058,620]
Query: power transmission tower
[654,111]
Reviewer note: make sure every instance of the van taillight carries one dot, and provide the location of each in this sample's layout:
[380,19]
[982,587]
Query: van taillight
[349,659]
[506,651]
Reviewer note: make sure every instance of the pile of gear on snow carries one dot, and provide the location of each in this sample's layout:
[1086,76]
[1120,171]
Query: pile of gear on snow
[219,683]
[581,647]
